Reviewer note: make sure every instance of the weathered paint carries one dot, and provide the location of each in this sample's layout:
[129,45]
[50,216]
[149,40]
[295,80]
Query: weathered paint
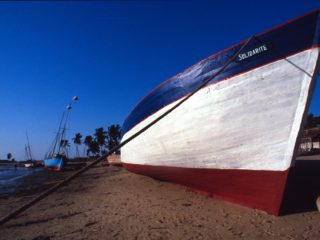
[283,41]
[236,137]
[250,121]
[256,189]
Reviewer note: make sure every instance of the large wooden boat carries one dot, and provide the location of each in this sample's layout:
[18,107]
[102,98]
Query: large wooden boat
[236,138]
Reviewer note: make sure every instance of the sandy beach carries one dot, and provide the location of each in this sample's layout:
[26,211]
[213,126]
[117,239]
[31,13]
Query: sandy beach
[109,202]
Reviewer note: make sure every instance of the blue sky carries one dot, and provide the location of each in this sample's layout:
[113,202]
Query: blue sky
[110,54]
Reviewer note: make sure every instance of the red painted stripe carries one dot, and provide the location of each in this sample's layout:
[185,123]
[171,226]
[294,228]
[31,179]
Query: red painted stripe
[255,189]
[57,169]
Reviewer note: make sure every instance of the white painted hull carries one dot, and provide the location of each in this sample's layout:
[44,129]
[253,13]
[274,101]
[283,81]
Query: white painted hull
[250,121]
[28,165]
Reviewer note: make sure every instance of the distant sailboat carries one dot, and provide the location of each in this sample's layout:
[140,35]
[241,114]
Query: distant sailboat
[57,156]
[29,156]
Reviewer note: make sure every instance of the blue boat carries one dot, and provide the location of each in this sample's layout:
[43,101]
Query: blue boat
[57,156]
[55,163]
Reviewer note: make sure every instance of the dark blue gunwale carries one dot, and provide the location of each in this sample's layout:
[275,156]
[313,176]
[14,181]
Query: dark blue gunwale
[295,36]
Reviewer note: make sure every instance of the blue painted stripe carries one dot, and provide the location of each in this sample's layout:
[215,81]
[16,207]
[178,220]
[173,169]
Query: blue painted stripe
[285,40]
[54,163]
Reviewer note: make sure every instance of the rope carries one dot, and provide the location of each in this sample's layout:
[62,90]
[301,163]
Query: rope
[84,169]
[281,55]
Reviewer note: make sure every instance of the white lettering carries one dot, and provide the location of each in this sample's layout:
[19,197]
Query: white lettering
[252,52]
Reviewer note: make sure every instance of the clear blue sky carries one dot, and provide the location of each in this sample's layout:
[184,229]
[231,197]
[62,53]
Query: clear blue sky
[110,54]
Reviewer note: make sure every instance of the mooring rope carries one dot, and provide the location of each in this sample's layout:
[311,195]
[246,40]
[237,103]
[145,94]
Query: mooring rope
[269,46]
[84,169]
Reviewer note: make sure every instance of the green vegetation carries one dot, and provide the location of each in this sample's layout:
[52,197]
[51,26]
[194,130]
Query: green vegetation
[100,142]
[77,141]
[9,156]
[312,121]
[113,137]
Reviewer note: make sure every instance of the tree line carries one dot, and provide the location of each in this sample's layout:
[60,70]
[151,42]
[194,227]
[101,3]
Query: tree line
[312,121]
[100,142]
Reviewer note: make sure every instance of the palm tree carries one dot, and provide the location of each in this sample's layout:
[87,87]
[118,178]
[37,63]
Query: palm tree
[88,141]
[77,141]
[100,138]
[9,156]
[312,121]
[94,148]
[64,144]
[113,136]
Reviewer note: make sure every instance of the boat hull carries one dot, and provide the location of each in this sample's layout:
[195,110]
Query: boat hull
[29,165]
[235,138]
[255,189]
[55,164]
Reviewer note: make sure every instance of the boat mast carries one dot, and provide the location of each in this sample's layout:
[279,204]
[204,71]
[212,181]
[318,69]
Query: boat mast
[57,138]
[61,140]
[28,149]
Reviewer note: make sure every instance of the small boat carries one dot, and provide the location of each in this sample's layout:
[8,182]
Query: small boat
[57,156]
[56,162]
[29,165]
[29,156]
[236,137]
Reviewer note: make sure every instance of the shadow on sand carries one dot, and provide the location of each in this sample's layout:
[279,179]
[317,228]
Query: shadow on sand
[303,188]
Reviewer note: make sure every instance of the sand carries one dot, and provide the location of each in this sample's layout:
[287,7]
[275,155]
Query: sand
[111,203]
